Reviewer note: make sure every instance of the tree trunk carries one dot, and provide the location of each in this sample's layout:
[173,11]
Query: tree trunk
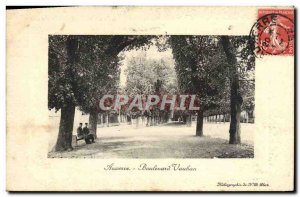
[184,119]
[199,127]
[103,119]
[189,120]
[93,122]
[143,120]
[235,113]
[235,96]
[64,139]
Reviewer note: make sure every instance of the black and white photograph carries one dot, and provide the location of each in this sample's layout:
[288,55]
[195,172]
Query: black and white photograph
[151,96]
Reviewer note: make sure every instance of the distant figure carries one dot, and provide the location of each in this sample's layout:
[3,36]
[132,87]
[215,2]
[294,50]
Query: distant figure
[80,134]
[88,137]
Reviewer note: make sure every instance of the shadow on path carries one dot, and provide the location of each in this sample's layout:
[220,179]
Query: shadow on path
[158,147]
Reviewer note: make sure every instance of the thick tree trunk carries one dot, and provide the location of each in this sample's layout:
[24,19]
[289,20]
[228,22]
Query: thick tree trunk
[93,122]
[199,127]
[64,139]
[184,119]
[235,96]
[235,113]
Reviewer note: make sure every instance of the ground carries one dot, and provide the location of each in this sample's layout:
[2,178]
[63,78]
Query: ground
[171,140]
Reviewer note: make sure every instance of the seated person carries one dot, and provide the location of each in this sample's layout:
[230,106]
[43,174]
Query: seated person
[88,137]
[80,134]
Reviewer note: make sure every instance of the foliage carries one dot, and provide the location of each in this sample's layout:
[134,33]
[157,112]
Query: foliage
[83,68]
[147,76]
[199,67]
[202,69]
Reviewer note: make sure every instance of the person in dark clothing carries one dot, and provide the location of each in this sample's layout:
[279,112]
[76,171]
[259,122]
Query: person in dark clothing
[88,137]
[80,134]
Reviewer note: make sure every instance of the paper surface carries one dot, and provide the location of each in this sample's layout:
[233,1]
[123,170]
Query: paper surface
[29,130]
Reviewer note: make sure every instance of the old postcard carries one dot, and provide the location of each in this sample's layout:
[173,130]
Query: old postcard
[150,99]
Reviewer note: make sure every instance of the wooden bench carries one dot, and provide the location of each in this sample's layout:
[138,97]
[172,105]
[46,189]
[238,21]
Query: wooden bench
[75,139]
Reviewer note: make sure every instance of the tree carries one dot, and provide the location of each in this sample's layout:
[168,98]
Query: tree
[62,86]
[200,70]
[234,48]
[147,76]
[78,66]
[211,67]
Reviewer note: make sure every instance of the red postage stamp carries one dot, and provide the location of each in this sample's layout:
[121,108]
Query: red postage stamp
[274,32]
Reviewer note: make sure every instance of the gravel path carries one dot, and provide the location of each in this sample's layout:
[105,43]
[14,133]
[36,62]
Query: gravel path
[167,141]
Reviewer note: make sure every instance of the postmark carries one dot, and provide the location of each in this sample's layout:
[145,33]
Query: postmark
[273,32]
